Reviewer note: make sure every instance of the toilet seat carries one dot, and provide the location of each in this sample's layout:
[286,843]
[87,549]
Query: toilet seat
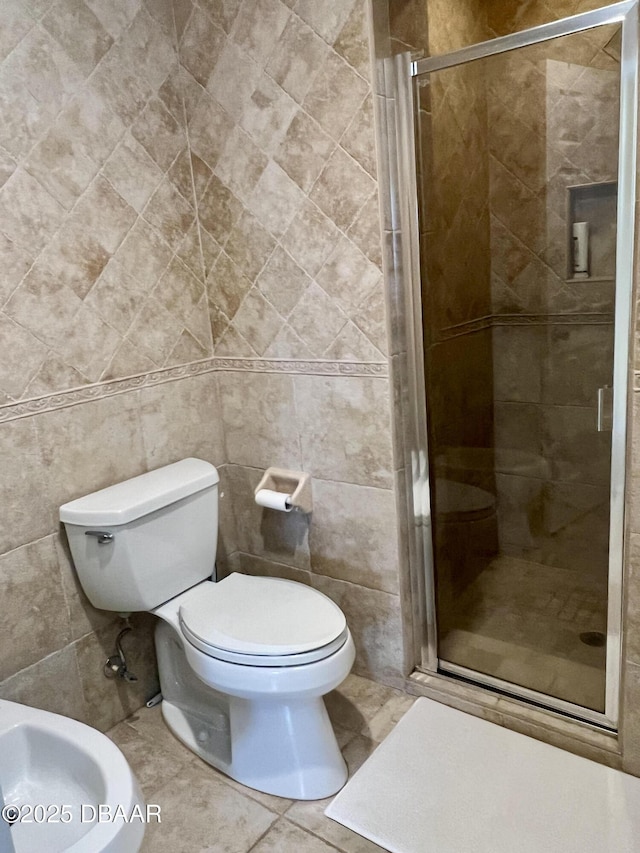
[462,501]
[258,621]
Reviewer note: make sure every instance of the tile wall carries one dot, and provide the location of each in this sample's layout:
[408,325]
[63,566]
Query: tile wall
[54,642]
[552,336]
[284,150]
[191,266]
[103,274]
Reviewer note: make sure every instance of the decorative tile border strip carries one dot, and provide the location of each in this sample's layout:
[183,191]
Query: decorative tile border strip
[100,390]
[492,320]
[319,367]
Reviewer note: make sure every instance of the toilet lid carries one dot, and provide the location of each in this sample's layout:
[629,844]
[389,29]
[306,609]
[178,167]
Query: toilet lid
[248,615]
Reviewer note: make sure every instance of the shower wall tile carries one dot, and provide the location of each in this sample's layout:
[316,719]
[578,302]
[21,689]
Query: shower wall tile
[564,133]
[576,524]
[559,524]
[518,433]
[574,448]
[517,363]
[569,349]
[536,152]
[520,502]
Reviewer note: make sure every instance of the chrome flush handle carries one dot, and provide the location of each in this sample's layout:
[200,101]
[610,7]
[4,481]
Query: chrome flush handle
[103,536]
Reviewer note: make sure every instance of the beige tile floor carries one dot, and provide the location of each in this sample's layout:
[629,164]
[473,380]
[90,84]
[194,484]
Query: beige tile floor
[203,810]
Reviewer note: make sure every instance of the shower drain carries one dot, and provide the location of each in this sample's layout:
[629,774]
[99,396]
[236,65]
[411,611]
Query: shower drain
[593,638]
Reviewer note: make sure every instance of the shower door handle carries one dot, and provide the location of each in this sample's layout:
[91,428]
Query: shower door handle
[605,409]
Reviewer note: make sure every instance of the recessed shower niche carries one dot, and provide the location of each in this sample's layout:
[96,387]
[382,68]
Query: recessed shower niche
[591,236]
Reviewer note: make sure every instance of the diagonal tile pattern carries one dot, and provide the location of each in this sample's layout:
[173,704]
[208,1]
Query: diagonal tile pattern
[563,134]
[174,178]
[292,193]
[97,206]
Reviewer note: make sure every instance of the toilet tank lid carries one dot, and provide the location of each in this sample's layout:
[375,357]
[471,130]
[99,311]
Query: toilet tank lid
[127,501]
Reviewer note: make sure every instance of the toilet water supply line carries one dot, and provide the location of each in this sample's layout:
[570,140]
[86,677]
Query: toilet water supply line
[116,665]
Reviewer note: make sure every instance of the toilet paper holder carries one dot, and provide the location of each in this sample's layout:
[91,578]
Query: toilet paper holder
[297,484]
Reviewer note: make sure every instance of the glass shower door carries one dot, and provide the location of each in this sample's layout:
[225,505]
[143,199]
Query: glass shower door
[518,177]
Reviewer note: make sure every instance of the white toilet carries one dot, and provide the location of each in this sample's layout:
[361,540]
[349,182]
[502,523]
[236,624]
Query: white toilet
[244,662]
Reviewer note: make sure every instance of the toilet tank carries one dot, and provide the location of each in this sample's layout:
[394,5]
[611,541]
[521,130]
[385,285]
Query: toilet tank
[164,532]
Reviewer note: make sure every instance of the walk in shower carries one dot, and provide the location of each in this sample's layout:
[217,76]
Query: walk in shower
[520,279]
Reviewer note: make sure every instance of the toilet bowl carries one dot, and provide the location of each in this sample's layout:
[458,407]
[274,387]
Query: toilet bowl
[269,698]
[243,661]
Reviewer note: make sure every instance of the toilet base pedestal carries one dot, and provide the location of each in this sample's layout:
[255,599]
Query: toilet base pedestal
[280,748]
[280,744]
[286,748]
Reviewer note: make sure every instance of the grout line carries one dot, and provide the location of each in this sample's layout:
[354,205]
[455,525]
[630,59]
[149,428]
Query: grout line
[265,833]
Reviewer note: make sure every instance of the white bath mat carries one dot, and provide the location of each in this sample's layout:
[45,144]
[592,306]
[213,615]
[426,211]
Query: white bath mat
[446,782]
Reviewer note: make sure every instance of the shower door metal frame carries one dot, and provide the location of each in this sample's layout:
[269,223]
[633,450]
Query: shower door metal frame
[626,14]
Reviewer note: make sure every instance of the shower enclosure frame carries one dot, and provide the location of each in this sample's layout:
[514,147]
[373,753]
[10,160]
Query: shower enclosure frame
[403,257]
